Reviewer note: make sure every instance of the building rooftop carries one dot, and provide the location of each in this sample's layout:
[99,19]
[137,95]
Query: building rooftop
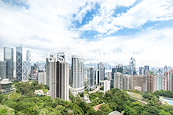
[39,92]
[5,81]
[115,113]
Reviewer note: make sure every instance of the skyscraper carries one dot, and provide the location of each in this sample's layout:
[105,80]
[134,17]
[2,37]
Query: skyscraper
[28,59]
[118,80]
[25,71]
[138,83]
[132,64]
[114,70]
[141,70]
[101,72]
[106,85]
[62,80]
[42,77]
[165,70]
[57,77]
[2,70]
[161,82]
[50,72]
[146,69]
[19,63]
[91,74]
[119,68]
[151,83]
[170,80]
[77,72]
[122,81]
[8,57]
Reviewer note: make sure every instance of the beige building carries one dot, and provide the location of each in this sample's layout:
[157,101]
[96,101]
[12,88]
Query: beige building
[57,73]
[138,83]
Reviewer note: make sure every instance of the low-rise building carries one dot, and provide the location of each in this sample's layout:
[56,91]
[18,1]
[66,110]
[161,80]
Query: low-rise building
[5,86]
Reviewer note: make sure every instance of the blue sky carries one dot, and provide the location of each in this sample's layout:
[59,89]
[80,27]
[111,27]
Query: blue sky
[110,31]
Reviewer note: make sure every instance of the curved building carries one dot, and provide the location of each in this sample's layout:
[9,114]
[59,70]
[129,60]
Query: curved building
[77,71]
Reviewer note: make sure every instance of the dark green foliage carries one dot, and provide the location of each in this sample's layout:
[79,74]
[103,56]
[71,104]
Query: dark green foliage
[25,102]
[150,97]
[164,93]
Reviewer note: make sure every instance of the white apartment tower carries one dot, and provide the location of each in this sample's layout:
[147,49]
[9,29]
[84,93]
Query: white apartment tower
[77,71]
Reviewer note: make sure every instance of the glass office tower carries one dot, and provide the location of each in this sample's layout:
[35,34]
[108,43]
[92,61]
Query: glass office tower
[19,63]
[8,57]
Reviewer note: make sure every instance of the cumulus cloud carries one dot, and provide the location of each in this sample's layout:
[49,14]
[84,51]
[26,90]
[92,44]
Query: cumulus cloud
[45,27]
[135,17]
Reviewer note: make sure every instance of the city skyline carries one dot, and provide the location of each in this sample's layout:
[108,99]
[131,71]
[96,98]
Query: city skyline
[102,31]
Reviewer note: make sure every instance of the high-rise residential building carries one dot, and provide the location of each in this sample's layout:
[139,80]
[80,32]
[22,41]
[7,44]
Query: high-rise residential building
[8,57]
[170,80]
[57,73]
[118,80]
[127,82]
[19,63]
[138,82]
[109,75]
[77,71]
[122,81]
[101,72]
[132,64]
[151,83]
[2,70]
[42,77]
[161,82]
[91,75]
[106,85]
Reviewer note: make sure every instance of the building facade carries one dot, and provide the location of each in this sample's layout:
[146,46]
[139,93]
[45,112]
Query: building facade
[170,80]
[91,77]
[106,85]
[28,59]
[132,64]
[77,73]
[57,73]
[2,70]
[101,72]
[19,63]
[42,78]
[138,82]
[25,71]
[8,57]
[62,80]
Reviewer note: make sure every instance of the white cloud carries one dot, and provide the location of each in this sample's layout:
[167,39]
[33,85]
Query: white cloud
[102,22]
[44,29]
[146,10]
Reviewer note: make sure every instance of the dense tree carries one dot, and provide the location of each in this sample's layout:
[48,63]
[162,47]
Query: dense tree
[25,102]
[164,93]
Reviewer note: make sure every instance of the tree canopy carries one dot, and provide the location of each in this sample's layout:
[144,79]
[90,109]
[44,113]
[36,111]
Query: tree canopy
[25,102]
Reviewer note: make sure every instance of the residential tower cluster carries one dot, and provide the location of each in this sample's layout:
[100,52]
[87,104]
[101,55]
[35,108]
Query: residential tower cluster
[76,77]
